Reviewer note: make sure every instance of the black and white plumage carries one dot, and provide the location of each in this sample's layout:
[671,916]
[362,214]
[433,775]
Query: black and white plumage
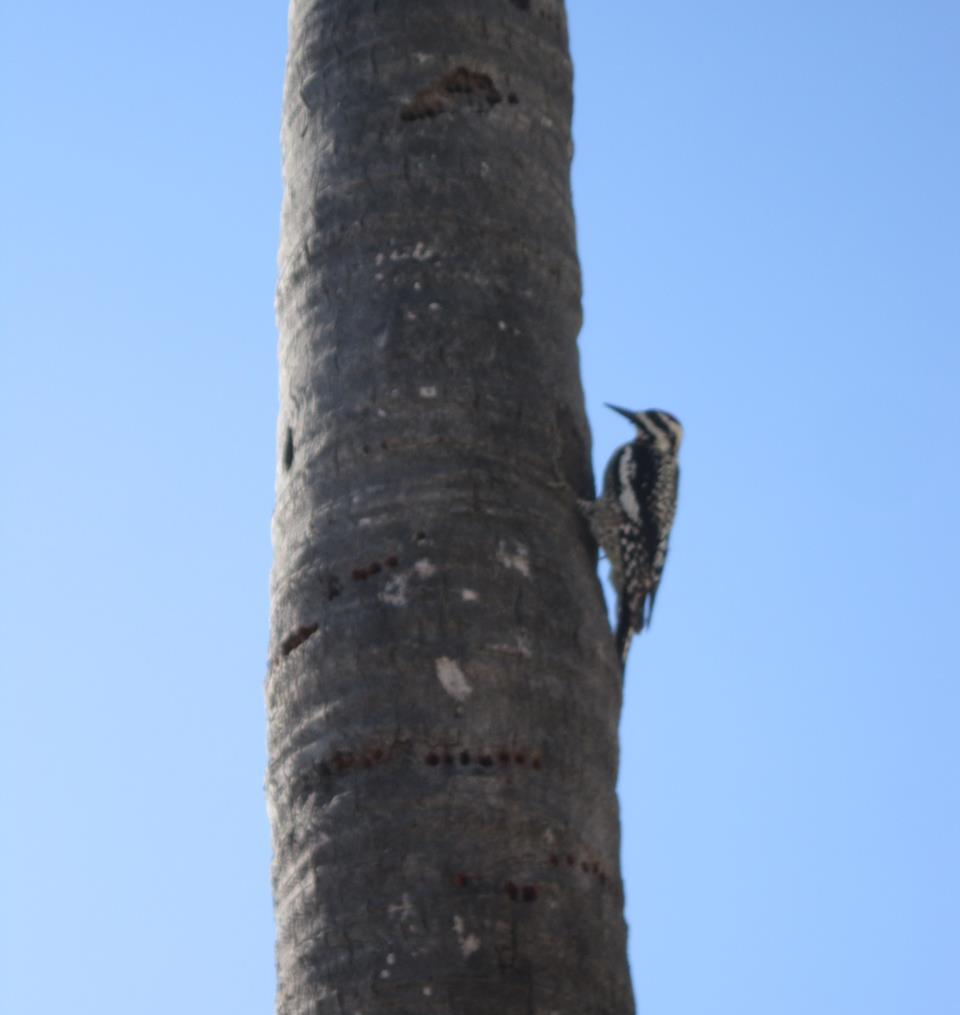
[632,518]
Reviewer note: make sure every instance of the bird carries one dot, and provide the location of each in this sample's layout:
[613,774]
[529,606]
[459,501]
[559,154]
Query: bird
[632,517]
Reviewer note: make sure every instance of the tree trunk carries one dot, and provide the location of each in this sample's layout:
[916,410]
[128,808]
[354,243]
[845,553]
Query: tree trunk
[443,690]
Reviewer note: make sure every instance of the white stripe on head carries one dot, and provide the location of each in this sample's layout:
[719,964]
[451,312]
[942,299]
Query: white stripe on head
[662,428]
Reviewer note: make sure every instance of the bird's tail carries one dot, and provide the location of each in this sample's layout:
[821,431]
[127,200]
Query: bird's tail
[626,631]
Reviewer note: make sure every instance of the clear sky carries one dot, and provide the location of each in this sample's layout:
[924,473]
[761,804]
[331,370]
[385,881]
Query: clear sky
[769,221]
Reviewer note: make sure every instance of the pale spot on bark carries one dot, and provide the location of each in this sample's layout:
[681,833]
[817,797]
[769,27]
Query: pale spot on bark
[395,591]
[428,392]
[427,991]
[410,315]
[469,943]
[521,647]
[518,559]
[402,909]
[384,974]
[468,595]
[420,252]
[502,325]
[391,959]
[434,307]
[378,259]
[452,679]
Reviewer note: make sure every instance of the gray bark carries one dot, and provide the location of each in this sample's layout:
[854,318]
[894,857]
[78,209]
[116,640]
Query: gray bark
[443,691]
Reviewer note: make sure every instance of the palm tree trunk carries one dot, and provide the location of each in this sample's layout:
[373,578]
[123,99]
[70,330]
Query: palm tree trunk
[443,692]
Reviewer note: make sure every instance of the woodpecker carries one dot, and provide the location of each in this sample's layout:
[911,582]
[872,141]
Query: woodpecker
[632,518]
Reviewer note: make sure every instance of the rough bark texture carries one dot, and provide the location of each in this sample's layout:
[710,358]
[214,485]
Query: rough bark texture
[443,692]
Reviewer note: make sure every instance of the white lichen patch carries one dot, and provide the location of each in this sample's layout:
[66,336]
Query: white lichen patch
[391,959]
[434,307]
[511,649]
[469,943]
[420,252]
[395,591]
[518,559]
[427,991]
[468,595]
[452,679]
[502,325]
[410,315]
[403,909]
[428,391]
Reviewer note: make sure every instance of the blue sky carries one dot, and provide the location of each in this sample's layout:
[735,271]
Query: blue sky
[769,225]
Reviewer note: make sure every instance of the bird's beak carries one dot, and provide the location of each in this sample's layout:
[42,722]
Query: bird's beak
[623,412]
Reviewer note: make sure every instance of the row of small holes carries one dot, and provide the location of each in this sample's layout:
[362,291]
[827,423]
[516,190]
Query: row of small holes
[485,760]
[528,893]
[341,761]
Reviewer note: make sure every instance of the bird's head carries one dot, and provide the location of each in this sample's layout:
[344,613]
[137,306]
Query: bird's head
[654,425]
